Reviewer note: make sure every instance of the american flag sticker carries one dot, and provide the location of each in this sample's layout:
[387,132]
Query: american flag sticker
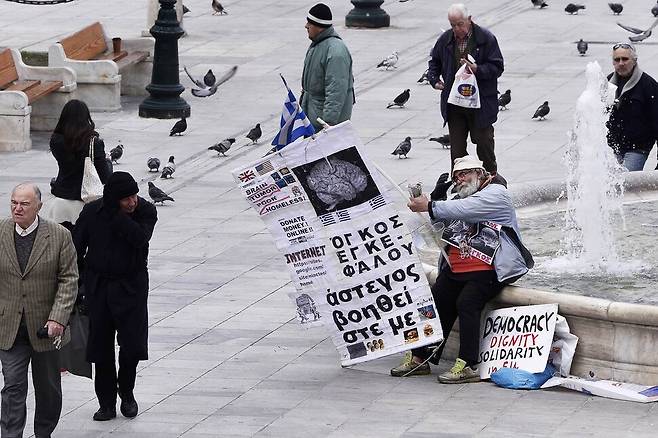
[247,175]
[264,168]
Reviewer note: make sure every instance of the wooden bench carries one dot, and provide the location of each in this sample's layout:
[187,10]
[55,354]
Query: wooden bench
[102,75]
[90,44]
[9,80]
[31,98]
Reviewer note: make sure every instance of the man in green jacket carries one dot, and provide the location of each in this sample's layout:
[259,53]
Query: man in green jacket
[327,80]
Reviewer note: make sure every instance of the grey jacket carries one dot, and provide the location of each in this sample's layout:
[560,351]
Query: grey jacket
[494,204]
[327,80]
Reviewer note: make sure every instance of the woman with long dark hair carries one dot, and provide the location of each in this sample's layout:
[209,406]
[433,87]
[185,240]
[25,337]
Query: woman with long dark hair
[69,145]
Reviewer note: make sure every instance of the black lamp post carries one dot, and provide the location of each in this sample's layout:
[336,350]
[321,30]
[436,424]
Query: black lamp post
[367,13]
[164,101]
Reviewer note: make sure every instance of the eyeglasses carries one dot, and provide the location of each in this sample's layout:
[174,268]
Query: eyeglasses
[461,174]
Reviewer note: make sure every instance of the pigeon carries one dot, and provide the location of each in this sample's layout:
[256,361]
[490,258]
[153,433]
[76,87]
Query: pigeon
[186,10]
[389,61]
[158,195]
[641,35]
[255,133]
[179,127]
[541,3]
[400,100]
[403,148]
[116,152]
[223,146]
[218,8]
[206,90]
[542,111]
[573,8]
[504,99]
[444,140]
[654,10]
[153,164]
[169,169]
[209,79]
[616,8]
[423,78]
[582,47]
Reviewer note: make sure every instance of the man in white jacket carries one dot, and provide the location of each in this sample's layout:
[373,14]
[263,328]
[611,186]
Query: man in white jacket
[470,276]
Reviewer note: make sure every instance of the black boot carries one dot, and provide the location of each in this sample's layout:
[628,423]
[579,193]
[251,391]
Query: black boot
[129,406]
[105,413]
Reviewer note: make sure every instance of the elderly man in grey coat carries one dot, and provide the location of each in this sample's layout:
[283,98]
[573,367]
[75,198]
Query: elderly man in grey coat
[327,80]
[471,274]
[38,287]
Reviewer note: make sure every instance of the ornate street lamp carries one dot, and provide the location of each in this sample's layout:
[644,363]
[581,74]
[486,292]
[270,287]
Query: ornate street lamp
[367,13]
[164,101]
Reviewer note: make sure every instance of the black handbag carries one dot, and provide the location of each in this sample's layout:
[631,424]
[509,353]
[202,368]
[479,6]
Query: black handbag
[73,356]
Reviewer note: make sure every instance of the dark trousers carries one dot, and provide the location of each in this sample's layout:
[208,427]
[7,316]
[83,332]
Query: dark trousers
[461,122]
[46,379]
[463,295]
[107,380]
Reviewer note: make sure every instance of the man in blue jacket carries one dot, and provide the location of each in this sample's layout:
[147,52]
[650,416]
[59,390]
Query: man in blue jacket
[450,52]
[327,79]
[472,273]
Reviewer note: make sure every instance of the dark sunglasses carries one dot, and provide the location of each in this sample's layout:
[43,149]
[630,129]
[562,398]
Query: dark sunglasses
[623,46]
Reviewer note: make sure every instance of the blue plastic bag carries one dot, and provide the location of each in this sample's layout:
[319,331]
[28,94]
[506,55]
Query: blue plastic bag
[513,378]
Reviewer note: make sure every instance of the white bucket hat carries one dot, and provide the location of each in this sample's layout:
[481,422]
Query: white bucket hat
[467,162]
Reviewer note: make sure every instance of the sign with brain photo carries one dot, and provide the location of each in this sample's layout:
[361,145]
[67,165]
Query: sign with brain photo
[347,248]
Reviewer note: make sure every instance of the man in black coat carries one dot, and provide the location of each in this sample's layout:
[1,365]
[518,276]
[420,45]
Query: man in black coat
[111,238]
[450,52]
[633,122]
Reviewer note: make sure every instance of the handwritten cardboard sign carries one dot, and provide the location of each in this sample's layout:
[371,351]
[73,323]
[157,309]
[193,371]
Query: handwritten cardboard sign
[517,337]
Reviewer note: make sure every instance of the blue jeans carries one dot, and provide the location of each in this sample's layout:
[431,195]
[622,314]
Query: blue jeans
[632,160]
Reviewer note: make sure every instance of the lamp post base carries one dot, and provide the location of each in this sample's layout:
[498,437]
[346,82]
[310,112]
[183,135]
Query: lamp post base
[367,13]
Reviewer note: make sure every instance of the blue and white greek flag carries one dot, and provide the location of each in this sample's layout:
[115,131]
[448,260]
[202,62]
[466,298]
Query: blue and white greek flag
[294,123]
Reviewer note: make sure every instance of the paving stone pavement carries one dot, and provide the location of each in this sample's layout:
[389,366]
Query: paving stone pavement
[226,356]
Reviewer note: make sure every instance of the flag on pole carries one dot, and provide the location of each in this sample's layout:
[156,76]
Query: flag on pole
[294,123]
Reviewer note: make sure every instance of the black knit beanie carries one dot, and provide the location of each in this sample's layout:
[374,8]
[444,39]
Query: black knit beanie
[320,15]
[118,186]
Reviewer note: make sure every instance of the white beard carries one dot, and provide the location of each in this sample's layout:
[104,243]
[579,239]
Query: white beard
[467,188]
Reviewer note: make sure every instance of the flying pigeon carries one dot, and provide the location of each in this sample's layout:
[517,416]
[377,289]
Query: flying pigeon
[403,148]
[504,99]
[116,152]
[169,169]
[542,111]
[444,140]
[641,34]
[158,195]
[153,164]
[573,8]
[400,100]
[206,90]
[582,47]
[423,78]
[541,3]
[255,133]
[616,8]
[179,127]
[654,10]
[209,79]
[223,146]
[389,61]
[218,8]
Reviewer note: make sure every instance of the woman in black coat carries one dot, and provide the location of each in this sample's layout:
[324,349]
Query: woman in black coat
[69,145]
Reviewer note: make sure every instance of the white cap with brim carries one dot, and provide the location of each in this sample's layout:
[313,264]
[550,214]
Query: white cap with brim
[467,162]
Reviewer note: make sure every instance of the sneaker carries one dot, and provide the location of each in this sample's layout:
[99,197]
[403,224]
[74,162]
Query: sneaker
[105,414]
[410,368]
[460,373]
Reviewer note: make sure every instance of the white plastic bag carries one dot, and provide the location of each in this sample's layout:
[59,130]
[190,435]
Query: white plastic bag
[465,91]
[92,187]
[563,347]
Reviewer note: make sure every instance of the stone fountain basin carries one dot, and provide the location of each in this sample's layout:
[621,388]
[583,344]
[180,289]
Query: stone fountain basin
[617,340]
